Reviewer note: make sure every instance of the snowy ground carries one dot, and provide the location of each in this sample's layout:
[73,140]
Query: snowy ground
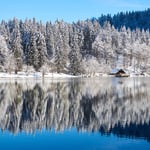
[38,75]
[35,75]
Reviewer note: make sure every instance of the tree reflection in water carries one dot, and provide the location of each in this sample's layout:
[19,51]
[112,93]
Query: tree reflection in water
[107,105]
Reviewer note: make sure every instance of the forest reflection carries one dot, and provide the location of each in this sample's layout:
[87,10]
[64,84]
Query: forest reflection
[107,105]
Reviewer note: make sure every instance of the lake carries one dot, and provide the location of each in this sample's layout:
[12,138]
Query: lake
[74,114]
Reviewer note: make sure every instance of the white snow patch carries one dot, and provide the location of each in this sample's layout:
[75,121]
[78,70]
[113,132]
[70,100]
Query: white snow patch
[39,75]
[35,75]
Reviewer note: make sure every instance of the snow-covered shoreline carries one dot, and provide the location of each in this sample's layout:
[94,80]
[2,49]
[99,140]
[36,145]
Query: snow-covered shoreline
[35,75]
[39,75]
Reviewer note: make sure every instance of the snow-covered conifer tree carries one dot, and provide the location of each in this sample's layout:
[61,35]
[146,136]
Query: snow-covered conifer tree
[16,46]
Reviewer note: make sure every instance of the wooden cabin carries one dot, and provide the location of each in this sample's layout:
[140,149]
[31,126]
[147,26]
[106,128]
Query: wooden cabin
[121,73]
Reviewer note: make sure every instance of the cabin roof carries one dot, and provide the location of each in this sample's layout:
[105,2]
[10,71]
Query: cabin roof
[121,71]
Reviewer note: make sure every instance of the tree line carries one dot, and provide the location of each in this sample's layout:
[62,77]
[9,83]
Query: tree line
[130,19]
[84,47]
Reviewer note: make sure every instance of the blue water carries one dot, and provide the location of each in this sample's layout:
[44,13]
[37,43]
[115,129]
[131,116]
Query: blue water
[69,140]
[90,114]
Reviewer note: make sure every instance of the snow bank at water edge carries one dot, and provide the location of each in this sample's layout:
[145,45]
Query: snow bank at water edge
[35,75]
[39,75]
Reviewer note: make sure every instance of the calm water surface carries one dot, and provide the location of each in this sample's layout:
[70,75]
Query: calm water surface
[90,114]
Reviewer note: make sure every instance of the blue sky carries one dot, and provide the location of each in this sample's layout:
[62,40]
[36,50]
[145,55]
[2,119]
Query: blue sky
[68,10]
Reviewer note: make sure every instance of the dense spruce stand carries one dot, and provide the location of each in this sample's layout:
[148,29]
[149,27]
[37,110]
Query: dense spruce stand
[84,47]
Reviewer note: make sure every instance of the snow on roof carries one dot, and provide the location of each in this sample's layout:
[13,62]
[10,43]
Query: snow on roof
[116,70]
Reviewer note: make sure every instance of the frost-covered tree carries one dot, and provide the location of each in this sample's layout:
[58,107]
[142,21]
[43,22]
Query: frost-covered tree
[41,48]
[5,56]
[75,57]
[32,59]
[16,47]
[61,46]
[25,38]
[65,47]
[49,39]
[4,31]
